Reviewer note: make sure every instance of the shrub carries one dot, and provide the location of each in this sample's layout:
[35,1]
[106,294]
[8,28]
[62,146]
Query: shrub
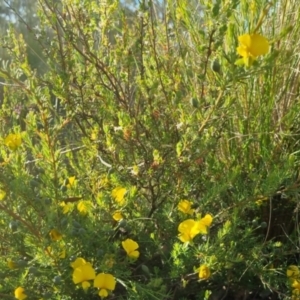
[152,159]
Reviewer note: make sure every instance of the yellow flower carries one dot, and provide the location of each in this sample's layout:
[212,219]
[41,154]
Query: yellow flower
[251,46]
[13,141]
[130,247]
[94,134]
[117,216]
[11,264]
[67,207]
[71,182]
[105,282]
[84,273]
[79,261]
[19,293]
[190,228]
[48,251]
[292,271]
[118,194]
[62,254]
[203,223]
[296,294]
[204,272]
[83,207]
[55,235]
[2,194]
[185,206]
[296,284]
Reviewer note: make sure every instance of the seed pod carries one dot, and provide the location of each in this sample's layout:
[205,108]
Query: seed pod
[22,263]
[215,66]
[194,102]
[263,225]
[146,270]
[13,226]
[57,280]
[33,270]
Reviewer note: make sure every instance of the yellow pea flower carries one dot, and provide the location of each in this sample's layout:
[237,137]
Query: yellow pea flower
[11,264]
[117,216]
[79,261]
[185,206]
[296,285]
[251,46]
[130,247]
[118,194]
[13,141]
[2,194]
[204,223]
[20,293]
[71,182]
[55,235]
[292,271]
[204,272]
[106,283]
[188,229]
[83,274]
[84,207]
[66,207]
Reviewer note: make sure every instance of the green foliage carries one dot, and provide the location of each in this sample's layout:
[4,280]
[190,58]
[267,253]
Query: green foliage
[135,111]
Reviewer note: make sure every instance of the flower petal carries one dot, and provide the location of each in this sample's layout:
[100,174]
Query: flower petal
[134,254]
[184,237]
[55,235]
[207,220]
[129,246]
[259,45]
[19,293]
[103,293]
[245,40]
[105,281]
[118,194]
[292,271]
[13,141]
[85,285]
[117,216]
[242,51]
[185,207]
[296,284]
[99,281]
[186,225]
[204,272]
[78,262]
[84,273]
[252,45]
[199,227]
